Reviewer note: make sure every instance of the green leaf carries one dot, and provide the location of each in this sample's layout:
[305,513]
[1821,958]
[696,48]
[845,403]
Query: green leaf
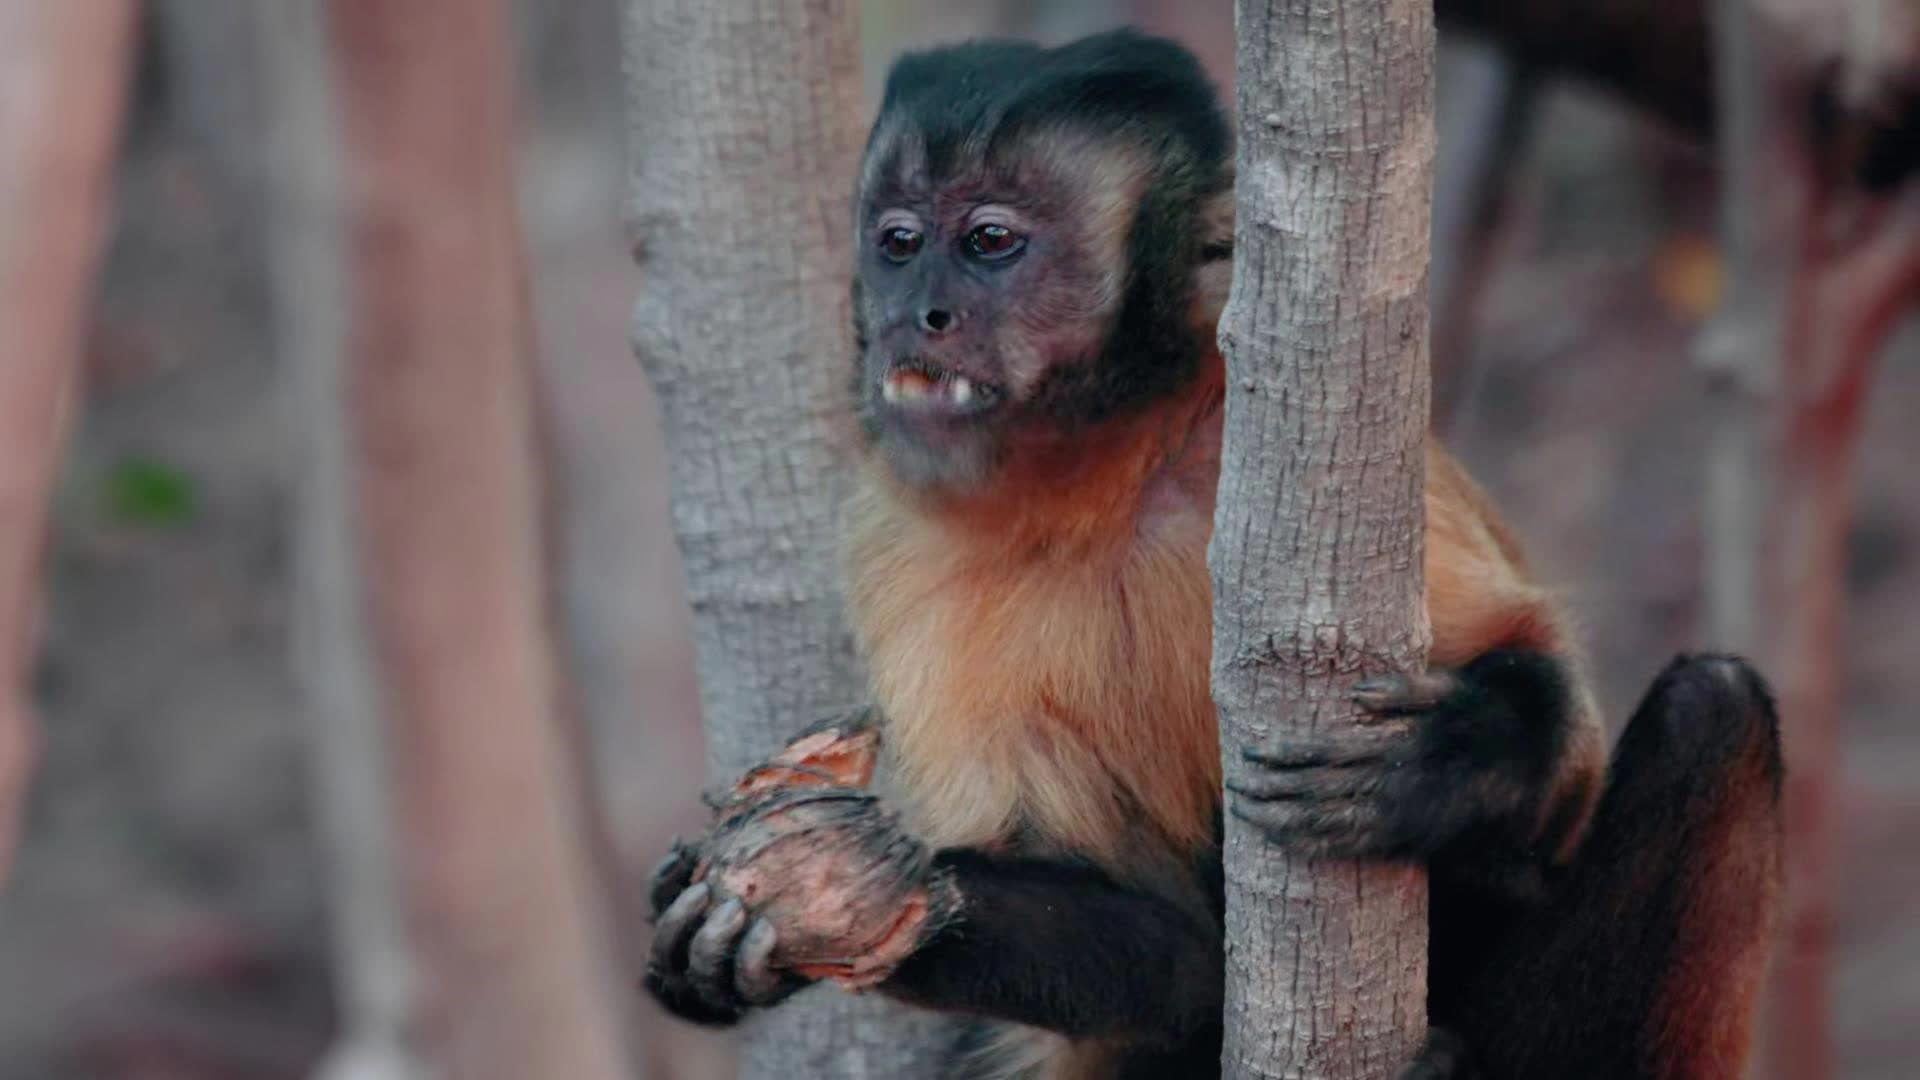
[140,491]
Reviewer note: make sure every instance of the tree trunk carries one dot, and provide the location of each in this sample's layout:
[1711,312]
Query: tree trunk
[746,125]
[1483,121]
[63,80]
[425,557]
[1651,53]
[1317,551]
[348,759]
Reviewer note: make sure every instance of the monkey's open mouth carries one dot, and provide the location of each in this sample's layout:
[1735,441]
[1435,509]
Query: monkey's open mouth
[923,386]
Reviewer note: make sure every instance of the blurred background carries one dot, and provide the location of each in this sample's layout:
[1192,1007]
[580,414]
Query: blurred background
[166,914]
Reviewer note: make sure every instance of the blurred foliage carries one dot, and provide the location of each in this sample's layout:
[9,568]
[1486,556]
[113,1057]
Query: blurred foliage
[146,492]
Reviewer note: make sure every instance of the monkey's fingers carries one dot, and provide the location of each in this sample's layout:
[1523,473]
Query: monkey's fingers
[710,954]
[1345,781]
[1370,745]
[667,977]
[1339,828]
[670,877]
[673,932]
[754,977]
[1400,694]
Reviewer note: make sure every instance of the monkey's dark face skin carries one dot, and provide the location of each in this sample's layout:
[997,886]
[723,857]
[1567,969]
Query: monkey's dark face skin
[1025,248]
[977,293]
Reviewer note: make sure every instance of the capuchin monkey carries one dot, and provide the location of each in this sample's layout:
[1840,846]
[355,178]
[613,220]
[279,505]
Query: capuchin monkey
[1042,248]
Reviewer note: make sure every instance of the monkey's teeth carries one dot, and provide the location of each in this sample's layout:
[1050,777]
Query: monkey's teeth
[909,387]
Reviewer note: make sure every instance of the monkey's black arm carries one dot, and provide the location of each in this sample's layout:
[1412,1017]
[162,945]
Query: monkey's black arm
[1063,947]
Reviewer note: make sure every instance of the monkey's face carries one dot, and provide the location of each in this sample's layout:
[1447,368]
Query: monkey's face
[980,289]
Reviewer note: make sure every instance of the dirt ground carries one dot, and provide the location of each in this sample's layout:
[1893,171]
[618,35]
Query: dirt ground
[167,918]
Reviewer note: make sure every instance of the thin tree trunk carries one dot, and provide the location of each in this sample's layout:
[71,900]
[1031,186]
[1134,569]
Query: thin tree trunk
[746,124]
[347,754]
[424,525]
[1653,54]
[1317,551]
[1483,126]
[1764,202]
[63,79]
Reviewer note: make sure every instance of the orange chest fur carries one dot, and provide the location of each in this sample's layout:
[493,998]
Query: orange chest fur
[1055,700]
[1055,694]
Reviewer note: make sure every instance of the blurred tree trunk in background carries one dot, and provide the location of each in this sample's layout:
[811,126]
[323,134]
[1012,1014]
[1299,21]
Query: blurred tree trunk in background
[745,126]
[445,459]
[426,554]
[1819,269]
[1486,102]
[1652,53]
[210,69]
[1325,338]
[63,80]
[349,761]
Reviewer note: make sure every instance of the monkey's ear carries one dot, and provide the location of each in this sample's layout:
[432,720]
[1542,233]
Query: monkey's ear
[1213,276]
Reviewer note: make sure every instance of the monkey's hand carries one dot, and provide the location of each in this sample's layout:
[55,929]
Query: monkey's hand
[795,884]
[1448,761]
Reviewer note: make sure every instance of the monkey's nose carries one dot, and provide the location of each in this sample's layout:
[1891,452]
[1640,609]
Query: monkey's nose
[937,321]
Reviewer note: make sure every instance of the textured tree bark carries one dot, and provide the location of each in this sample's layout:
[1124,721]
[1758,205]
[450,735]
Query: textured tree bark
[746,125]
[1318,542]
[63,79]
[440,489]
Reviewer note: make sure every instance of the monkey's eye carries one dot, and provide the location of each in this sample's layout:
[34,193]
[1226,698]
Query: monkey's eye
[899,243]
[994,242]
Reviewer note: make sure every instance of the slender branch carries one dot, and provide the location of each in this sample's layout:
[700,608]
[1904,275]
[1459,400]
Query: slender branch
[347,753]
[1481,138]
[1654,54]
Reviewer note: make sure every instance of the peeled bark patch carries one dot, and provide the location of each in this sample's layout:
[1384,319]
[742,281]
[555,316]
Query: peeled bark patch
[835,756]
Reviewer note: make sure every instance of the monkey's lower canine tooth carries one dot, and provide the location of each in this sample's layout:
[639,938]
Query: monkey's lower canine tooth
[890,391]
[962,391]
